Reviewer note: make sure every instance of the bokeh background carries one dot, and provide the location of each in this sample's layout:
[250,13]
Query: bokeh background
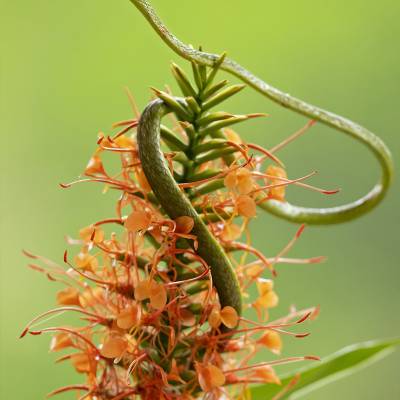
[64,67]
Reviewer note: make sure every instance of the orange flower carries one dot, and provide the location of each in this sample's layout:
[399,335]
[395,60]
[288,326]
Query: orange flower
[68,297]
[92,234]
[209,376]
[61,341]
[129,317]
[246,206]
[227,316]
[272,340]
[277,193]
[152,321]
[138,221]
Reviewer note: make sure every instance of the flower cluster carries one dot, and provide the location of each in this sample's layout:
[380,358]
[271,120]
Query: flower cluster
[153,327]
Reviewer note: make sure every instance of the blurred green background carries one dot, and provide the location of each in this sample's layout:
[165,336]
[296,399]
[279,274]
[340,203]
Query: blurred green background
[63,69]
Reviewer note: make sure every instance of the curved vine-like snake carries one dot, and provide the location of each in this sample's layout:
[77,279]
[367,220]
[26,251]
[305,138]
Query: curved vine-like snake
[286,210]
[176,204]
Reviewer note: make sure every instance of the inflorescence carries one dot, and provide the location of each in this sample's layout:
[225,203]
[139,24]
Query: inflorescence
[153,326]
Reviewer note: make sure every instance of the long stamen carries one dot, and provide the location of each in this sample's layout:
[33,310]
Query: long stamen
[293,137]
[68,389]
[67,330]
[56,311]
[275,362]
[300,184]
[267,153]
[289,182]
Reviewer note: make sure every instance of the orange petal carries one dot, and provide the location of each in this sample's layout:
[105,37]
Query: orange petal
[137,221]
[209,377]
[92,233]
[81,363]
[230,180]
[124,141]
[91,296]
[277,193]
[272,340]
[142,180]
[254,270]
[142,290]
[158,296]
[86,261]
[68,297]
[217,376]
[61,341]
[128,318]
[229,317]
[95,167]
[232,136]
[264,285]
[268,300]
[267,374]
[214,319]
[187,317]
[114,347]
[245,181]
[231,232]
[246,206]
[184,224]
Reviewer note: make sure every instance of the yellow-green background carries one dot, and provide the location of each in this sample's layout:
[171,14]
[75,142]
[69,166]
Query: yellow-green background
[63,69]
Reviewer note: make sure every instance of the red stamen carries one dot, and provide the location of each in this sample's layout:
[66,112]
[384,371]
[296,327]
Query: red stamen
[275,362]
[267,153]
[67,330]
[292,137]
[67,389]
[60,310]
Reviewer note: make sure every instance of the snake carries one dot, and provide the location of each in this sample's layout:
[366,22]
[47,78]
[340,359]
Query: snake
[175,203]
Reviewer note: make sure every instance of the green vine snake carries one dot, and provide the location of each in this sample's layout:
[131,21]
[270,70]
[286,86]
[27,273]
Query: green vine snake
[176,204]
[285,210]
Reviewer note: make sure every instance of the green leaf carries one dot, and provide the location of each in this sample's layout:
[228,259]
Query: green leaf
[213,89]
[215,70]
[196,75]
[221,96]
[183,81]
[171,140]
[173,104]
[332,368]
[212,117]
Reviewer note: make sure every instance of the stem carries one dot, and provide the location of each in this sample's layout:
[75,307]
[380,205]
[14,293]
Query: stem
[176,204]
[283,209]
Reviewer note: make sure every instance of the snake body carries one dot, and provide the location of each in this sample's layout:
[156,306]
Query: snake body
[176,204]
[286,210]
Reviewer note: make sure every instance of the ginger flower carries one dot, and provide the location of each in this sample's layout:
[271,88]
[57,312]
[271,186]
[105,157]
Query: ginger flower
[153,322]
